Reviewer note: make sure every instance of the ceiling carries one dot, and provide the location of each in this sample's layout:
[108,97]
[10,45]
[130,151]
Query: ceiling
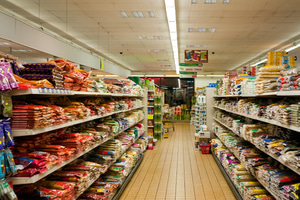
[244,29]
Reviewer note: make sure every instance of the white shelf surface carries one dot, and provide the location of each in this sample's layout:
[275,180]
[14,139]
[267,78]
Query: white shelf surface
[30,132]
[269,121]
[34,179]
[280,93]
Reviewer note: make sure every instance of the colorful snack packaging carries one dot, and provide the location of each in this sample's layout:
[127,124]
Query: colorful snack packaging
[9,141]
[2,137]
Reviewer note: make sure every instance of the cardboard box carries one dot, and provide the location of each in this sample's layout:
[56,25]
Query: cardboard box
[204,134]
[206,140]
[150,140]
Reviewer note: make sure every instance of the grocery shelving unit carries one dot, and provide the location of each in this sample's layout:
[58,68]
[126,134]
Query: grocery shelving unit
[50,92]
[158,117]
[267,121]
[150,115]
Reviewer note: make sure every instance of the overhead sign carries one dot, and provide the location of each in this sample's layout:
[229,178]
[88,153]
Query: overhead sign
[187,74]
[190,64]
[196,56]
[191,69]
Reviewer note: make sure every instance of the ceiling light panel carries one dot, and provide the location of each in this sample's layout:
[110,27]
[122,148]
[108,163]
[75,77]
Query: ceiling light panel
[201,30]
[210,1]
[151,14]
[140,14]
[226,1]
[197,45]
[212,30]
[135,14]
[124,14]
[194,1]
[190,29]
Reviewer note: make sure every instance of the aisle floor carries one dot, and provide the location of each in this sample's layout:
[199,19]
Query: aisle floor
[175,170]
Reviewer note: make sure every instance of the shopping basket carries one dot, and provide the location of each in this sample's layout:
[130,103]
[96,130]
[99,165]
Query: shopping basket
[205,148]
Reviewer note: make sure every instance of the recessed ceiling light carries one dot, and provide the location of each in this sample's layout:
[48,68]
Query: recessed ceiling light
[135,14]
[205,46]
[149,50]
[124,14]
[159,37]
[140,37]
[210,1]
[140,14]
[197,45]
[151,14]
[4,43]
[150,37]
[190,30]
[163,50]
[226,1]
[212,30]
[156,50]
[201,30]
[188,46]
[194,1]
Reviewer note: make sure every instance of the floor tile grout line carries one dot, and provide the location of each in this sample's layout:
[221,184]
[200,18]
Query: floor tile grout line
[165,157]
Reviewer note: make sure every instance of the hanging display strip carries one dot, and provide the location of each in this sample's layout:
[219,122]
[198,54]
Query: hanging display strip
[53,91]
[96,177]
[269,121]
[268,189]
[30,132]
[34,179]
[268,153]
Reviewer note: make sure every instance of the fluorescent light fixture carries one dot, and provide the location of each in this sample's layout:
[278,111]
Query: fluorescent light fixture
[197,45]
[292,48]
[140,14]
[172,27]
[124,14]
[140,37]
[136,75]
[201,30]
[226,1]
[163,50]
[149,50]
[135,14]
[173,36]
[179,83]
[100,75]
[171,15]
[172,75]
[188,46]
[264,60]
[212,30]
[190,29]
[151,14]
[194,1]
[200,75]
[215,75]
[156,50]
[159,37]
[4,43]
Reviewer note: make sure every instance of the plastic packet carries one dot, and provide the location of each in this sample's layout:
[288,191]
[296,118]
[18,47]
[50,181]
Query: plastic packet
[6,104]
[7,191]
[2,137]
[9,141]
[9,74]
[4,83]
[10,165]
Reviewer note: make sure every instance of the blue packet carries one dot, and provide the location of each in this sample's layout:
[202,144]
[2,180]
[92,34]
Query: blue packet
[9,141]
[2,138]
[2,165]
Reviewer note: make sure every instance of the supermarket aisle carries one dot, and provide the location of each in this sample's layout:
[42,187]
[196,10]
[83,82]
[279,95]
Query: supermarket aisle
[174,170]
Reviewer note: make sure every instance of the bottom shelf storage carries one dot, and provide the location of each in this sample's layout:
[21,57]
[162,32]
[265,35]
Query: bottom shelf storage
[128,178]
[227,178]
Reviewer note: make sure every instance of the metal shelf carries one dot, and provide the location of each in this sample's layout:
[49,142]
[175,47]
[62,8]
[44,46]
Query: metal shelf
[34,179]
[280,93]
[53,91]
[30,132]
[227,178]
[128,178]
[269,121]
[268,153]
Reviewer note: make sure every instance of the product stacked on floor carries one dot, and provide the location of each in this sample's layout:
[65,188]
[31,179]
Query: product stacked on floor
[263,134]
